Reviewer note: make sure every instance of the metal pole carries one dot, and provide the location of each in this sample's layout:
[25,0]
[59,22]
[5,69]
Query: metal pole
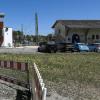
[36,27]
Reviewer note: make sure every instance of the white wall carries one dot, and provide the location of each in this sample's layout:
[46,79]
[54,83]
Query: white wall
[8,41]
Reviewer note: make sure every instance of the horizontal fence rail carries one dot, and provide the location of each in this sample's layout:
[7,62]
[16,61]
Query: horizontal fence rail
[20,66]
[34,79]
[37,84]
[14,81]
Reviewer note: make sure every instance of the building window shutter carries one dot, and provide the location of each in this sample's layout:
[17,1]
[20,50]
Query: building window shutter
[93,37]
[97,36]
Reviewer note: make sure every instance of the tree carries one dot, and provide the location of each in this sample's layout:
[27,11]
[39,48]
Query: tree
[18,36]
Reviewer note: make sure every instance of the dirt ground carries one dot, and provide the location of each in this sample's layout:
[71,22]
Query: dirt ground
[72,91]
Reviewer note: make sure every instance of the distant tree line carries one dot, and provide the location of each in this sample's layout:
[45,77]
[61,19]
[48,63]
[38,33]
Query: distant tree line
[20,38]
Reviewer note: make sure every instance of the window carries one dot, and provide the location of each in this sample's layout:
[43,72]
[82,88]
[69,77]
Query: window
[59,31]
[68,39]
[97,36]
[6,29]
[93,36]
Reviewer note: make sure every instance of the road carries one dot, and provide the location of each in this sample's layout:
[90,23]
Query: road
[20,50]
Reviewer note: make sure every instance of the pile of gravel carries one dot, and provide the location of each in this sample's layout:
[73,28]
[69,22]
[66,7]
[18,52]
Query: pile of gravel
[7,93]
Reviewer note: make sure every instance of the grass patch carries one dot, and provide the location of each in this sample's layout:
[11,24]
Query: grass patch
[22,76]
[76,75]
[61,67]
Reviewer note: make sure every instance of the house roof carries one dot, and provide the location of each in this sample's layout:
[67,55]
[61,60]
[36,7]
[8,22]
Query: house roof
[79,23]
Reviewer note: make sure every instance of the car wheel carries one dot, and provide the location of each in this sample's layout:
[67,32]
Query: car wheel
[51,51]
[78,50]
[95,50]
[38,50]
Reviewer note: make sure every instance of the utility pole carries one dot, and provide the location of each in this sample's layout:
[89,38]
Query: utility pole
[22,35]
[22,28]
[36,28]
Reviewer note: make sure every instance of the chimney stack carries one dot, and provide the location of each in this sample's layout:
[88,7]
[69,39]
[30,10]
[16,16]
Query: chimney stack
[2,15]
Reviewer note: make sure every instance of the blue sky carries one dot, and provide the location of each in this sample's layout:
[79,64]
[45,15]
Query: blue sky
[22,12]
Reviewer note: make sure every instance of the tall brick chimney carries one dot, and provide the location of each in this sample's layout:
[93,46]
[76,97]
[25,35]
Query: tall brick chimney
[2,15]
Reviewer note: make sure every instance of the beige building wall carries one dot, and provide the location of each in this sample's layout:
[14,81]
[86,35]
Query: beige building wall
[80,32]
[63,35]
[94,32]
[60,32]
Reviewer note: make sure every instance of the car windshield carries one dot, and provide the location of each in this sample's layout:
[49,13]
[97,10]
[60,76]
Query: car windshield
[51,42]
[42,43]
[97,44]
[82,44]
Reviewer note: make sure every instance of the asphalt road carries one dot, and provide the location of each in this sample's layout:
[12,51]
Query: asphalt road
[20,50]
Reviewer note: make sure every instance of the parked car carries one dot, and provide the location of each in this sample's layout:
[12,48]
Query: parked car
[97,47]
[63,47]
[42,47]
[49,47]
[92,47]
[81,47]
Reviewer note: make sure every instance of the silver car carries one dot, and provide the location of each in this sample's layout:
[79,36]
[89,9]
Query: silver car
[97,47]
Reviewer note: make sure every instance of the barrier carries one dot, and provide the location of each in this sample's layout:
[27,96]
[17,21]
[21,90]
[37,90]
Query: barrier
[38,87]
[35,83]
[14,81]
[21,66]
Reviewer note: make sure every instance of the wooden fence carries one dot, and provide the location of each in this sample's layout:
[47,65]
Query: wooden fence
[34,82]
[38,87]
[21,66]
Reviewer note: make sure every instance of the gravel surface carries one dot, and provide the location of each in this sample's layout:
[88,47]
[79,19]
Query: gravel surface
[8,90]
[72,91]
[7,93]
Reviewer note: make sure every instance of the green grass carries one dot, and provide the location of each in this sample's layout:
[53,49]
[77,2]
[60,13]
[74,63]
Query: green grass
[21,76]
[61,67]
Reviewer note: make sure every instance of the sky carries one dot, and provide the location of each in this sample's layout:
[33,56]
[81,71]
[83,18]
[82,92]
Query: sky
[22,12]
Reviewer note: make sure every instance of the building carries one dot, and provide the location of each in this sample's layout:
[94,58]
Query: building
[5,34]
[72,31]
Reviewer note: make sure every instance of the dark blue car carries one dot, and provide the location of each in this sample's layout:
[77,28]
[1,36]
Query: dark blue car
[92,47]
